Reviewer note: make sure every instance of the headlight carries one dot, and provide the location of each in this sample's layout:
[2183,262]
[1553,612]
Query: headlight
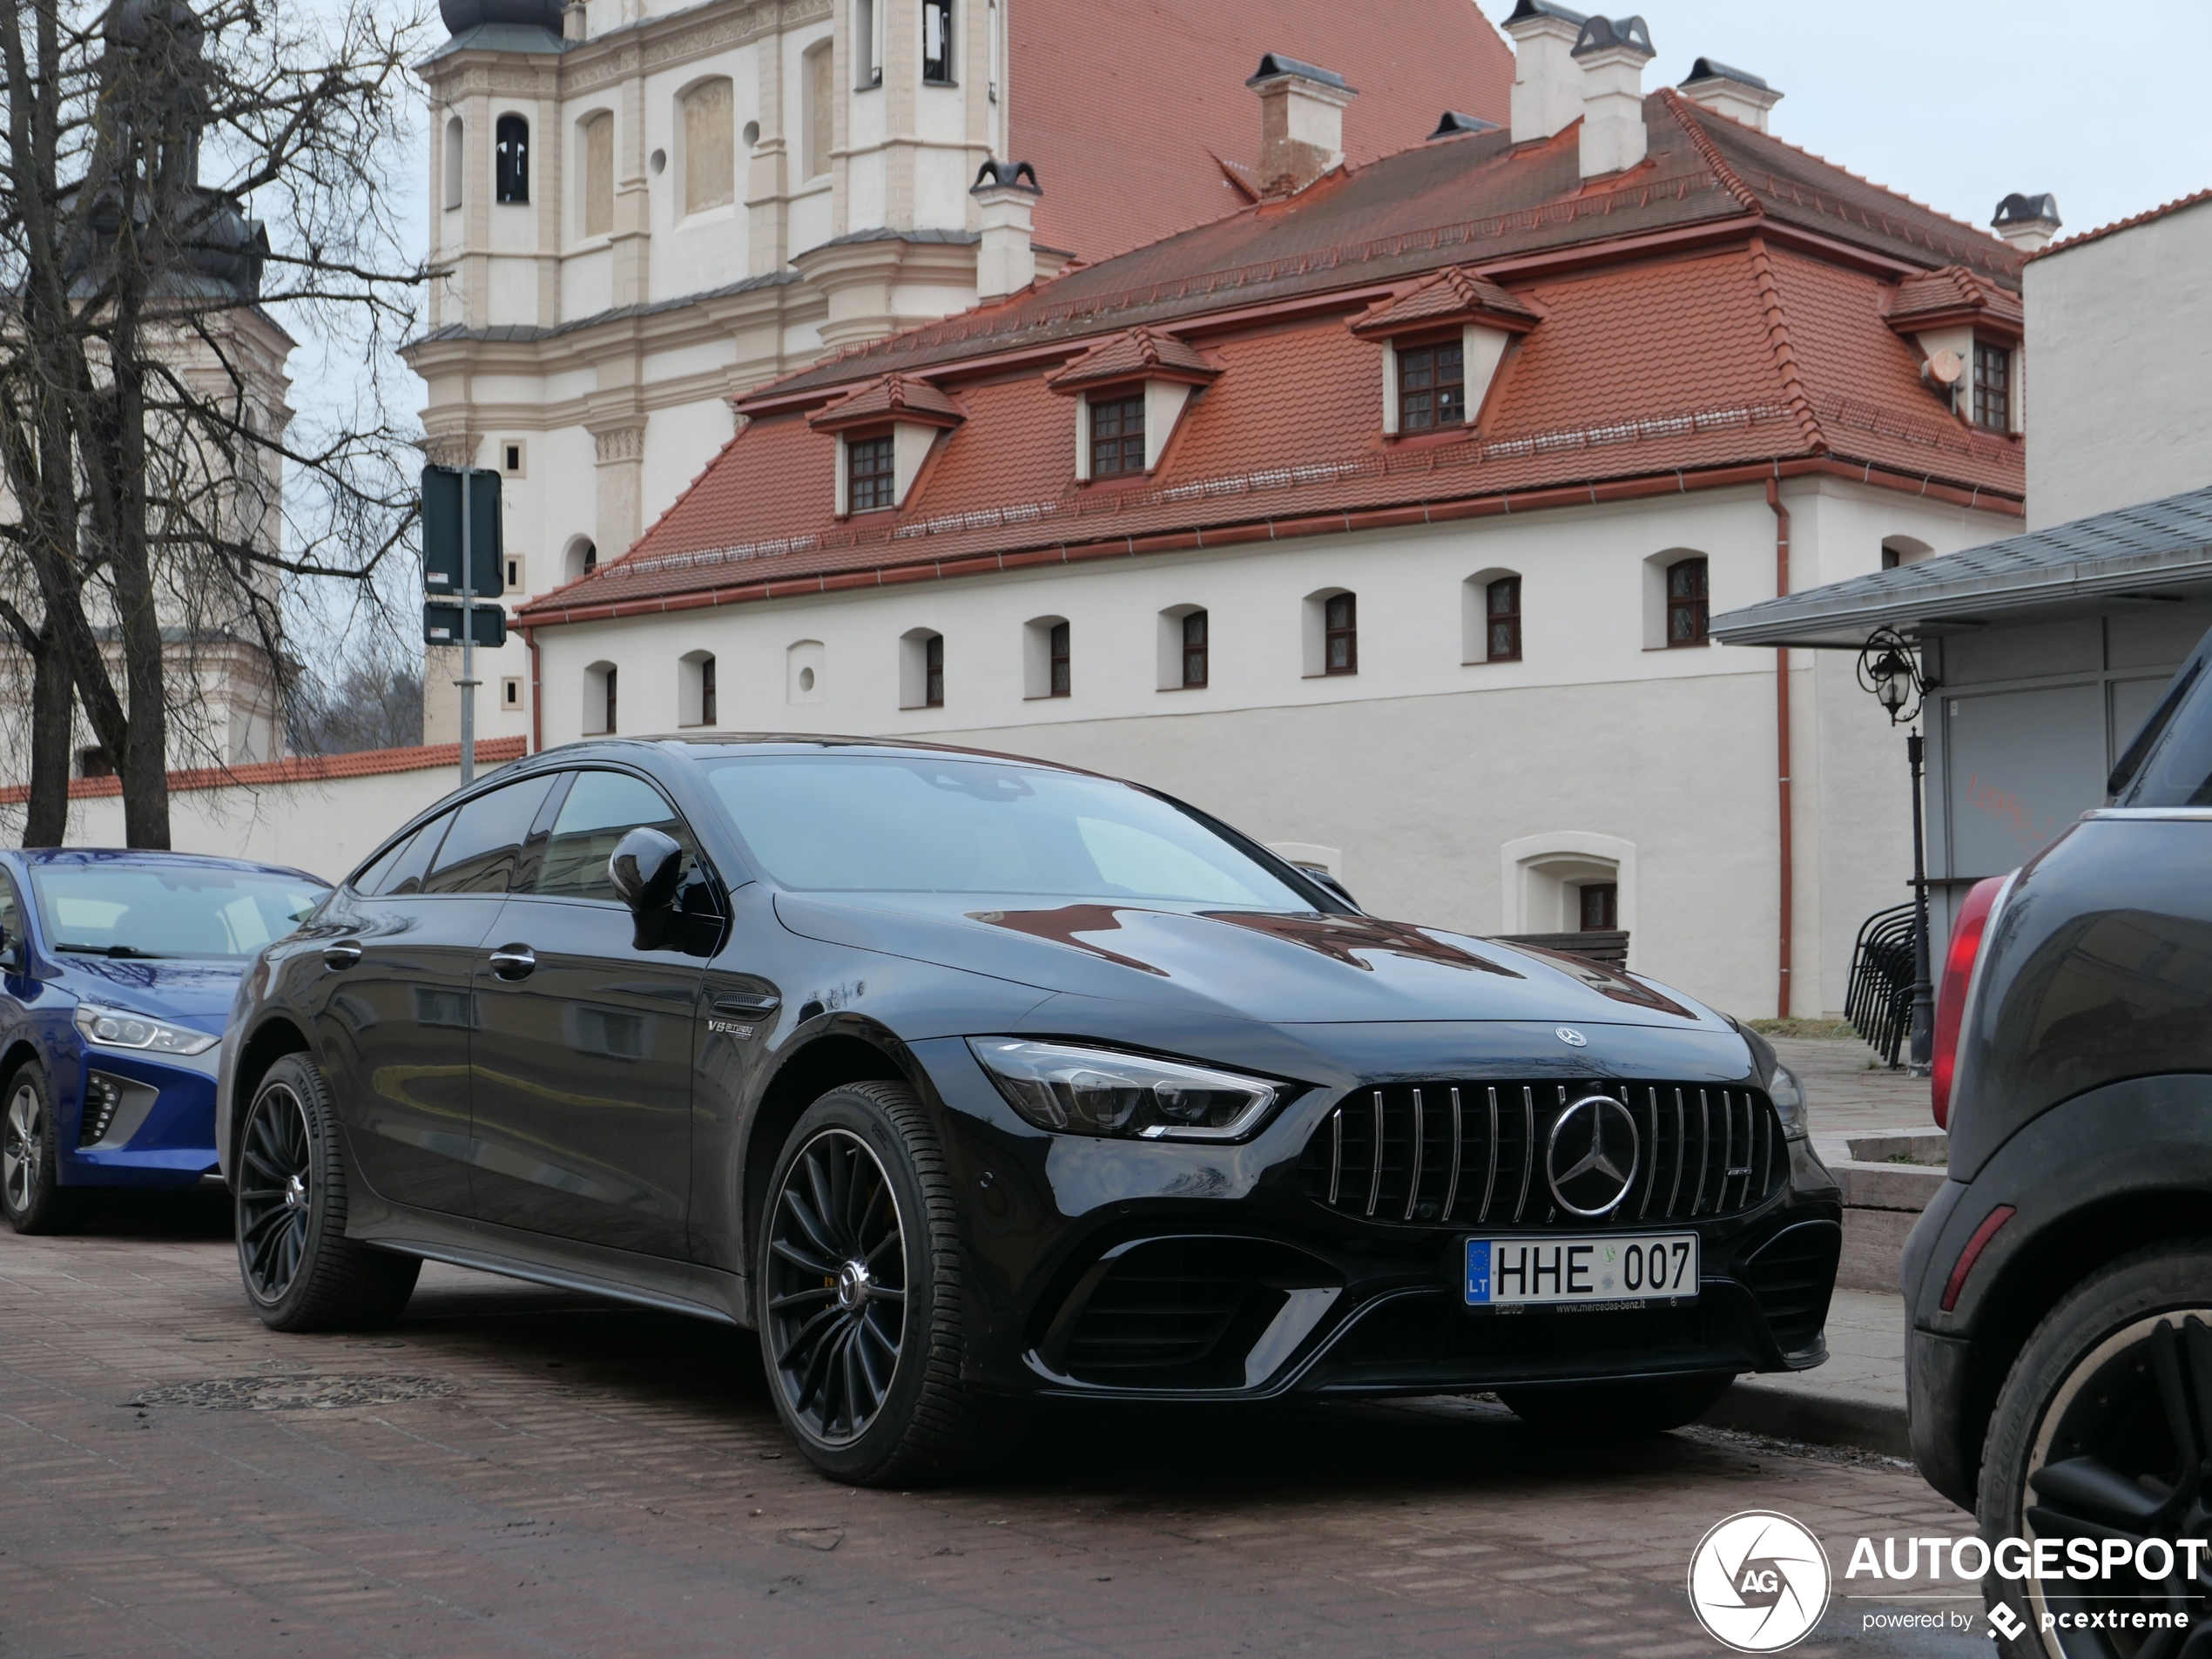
[1096,1091]
[120,1029]
[1788,1098]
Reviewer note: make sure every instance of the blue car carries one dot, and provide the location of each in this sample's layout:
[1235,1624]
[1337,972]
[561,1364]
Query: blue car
[116,973]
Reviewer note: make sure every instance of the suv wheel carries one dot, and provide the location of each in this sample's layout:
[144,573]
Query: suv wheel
[31,1188]
[1612,1410]
[302,1272]
[860,1291]
[2099,1432]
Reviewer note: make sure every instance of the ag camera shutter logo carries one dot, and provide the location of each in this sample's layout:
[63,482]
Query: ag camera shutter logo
[1758,1582]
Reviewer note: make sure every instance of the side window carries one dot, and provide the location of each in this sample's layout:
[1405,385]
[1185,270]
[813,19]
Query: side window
[400,871]
[487,837]
[601,808]
[11,923]
[371,878]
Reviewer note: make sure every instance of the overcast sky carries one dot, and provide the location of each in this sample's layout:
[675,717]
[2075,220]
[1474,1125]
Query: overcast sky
[1958,103]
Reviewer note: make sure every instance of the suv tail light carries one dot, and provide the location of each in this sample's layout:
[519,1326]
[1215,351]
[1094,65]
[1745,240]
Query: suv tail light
[1950,996]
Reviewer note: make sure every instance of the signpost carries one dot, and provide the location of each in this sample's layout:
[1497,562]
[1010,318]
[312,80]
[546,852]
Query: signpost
[462,558]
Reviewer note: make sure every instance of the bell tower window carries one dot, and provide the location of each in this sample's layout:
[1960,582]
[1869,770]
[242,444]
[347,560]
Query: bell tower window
[937,42]
[512,181]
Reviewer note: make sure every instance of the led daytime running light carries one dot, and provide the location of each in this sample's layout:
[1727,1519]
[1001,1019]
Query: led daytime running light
[120,1029]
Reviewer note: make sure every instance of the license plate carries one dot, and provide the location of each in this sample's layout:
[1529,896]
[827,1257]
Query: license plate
[1514,1273]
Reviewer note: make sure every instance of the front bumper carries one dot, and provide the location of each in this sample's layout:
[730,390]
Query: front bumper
[1110,1269]
[125,1120]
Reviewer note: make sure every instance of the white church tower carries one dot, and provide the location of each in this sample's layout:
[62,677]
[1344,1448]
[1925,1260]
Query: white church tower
[639,210]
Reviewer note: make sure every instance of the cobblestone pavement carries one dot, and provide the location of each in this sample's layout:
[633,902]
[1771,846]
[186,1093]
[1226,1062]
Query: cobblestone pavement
[518,1471]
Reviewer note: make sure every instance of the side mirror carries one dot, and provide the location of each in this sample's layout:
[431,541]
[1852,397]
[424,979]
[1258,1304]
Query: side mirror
[646,868]
[1323,878]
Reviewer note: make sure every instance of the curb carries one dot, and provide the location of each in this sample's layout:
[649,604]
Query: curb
[1754,1406]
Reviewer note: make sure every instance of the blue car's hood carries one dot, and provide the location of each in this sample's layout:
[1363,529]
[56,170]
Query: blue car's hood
[197,993]
[1244,964]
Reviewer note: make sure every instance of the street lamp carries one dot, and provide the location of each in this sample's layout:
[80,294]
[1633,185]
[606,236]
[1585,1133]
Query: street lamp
[1890,669]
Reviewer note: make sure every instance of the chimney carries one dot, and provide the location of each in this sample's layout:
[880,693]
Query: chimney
[2028,222]
[1301,123]
[1006,261]
[1736,93]
[1613,51]
[1547,86]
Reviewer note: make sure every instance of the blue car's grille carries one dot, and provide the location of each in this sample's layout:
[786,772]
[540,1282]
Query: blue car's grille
[1472,1153]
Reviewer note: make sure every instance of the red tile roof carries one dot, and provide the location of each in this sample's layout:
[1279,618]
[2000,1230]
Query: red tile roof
[2119,224]
[1452,296]
[1741,335]
[1140,353]
[1929,300]
[298,769]
[890,397]
[1127,154]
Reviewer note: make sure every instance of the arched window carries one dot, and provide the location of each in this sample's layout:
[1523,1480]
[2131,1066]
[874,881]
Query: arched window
[1186,649]
[821,103]
[453,162]
[511,176]
[580,559]
[599,710]
[597,136]
[710,153]
[1687,606]
[1490,618]
[695,689]
[1046,665]
[1331,632]
[1903,549]
[937,41]
[868,43]
[921,668]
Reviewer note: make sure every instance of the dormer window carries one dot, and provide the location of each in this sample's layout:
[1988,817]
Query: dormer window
[1116,436]
[1992,388]
[1432,387]
[870,473]
[1432,380]
[1130,391]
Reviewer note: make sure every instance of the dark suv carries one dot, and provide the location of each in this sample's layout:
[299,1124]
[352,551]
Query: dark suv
[961,1076]
[2060,1288]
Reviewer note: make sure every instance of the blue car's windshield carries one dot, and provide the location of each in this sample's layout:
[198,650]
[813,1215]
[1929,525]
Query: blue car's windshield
[105,909]
[932,824]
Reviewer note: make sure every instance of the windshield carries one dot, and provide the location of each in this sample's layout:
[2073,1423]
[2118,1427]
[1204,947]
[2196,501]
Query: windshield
[928,824]
[167,910]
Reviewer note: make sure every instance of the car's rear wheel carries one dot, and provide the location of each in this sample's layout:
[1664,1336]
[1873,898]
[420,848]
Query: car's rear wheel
[860,1283]
[30,1189]
[1610,1410]
[302,1272]
[2100,1432]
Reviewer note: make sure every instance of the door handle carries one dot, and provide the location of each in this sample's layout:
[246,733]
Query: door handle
[514,961]
[340,955]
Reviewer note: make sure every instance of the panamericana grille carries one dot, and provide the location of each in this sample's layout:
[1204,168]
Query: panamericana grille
[1472,1154]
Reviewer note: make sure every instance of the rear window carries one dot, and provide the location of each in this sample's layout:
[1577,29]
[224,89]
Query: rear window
[2172,755]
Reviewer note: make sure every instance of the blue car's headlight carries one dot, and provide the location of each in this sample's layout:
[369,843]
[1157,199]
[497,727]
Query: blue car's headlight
[1096,1091]
[120,1029]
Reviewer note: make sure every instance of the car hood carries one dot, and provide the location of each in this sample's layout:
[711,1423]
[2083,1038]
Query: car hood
[1279,968]
[196,994]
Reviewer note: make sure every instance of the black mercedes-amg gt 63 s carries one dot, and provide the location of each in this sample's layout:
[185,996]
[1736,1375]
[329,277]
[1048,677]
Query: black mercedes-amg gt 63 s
[962,1077]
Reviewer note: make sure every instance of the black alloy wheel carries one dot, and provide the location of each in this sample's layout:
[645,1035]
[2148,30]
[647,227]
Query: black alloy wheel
[301,1271]
[859,1286]
[2103,1432]
[837,1295]
[31,1189]
[276,1180]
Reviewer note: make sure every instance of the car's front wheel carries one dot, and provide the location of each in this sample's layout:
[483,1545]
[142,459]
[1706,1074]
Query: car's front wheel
[1609,1410]
[860,1271]
[302,1272]
[2101,1432]
[30,1189]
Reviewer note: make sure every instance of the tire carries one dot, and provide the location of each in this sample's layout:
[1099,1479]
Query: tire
[2087,1390]
[1616,1410]
[30,1189]
[301,1271]
[859,1293]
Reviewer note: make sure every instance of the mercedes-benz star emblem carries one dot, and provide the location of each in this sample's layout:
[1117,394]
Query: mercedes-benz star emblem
[1570,1036]
[1592,1159]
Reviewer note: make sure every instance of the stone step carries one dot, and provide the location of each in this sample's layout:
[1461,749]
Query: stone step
[1887,1180]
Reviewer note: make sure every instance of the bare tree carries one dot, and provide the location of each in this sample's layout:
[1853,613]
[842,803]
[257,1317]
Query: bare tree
[164,502]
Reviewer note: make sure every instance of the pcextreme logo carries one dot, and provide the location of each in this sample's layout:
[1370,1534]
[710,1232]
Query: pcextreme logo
[1758,1582]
